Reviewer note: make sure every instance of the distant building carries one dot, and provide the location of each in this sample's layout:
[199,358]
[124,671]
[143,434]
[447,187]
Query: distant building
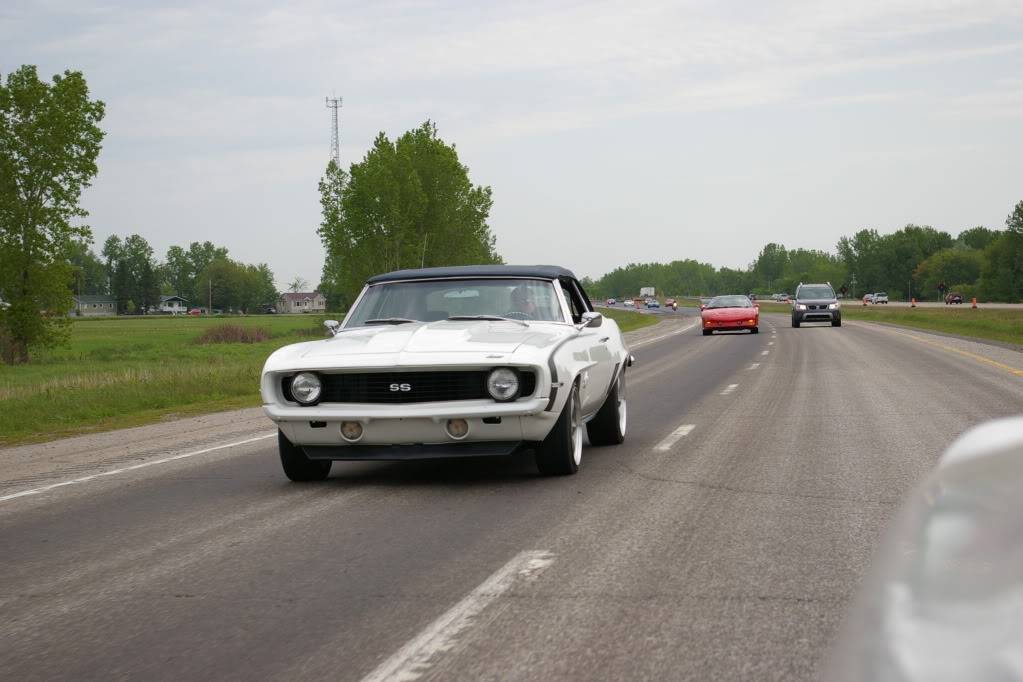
[302,302]
[93,305]
[175,305]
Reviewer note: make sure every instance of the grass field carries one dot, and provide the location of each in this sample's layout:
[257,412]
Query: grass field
[629,320]
[991,324]
[118,372]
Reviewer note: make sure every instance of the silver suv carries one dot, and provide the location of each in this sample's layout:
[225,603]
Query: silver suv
[816,303]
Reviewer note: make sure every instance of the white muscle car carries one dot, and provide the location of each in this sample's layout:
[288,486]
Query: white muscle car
[450,362]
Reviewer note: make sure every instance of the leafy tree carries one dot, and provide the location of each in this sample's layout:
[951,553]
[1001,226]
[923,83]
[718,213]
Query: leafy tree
[1002,273]
[1014,221]
[90,274]
[770,265]
[298,284]
[135,283]
[951,267]
[49,141]
[977,237]
[407,203]
[235,286]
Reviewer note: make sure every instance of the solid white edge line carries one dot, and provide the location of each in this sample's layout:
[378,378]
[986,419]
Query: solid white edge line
[729,389]
[674,437]
[413,660]
[133,467]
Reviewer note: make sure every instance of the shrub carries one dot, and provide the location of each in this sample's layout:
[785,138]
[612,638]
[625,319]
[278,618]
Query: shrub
[232,333]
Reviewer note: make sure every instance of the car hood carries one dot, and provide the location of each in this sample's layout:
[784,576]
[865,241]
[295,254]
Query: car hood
[455,337]
[729,313]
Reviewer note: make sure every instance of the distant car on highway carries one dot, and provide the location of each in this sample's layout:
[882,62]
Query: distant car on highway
[653,303]
[464,361]
[881,297]
[668,302]
[195,311]
[730,313]
[611,301]
[628,303]
[816,303]
[954,298]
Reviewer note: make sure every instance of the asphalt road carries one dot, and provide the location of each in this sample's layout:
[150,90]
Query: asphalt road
[723,540]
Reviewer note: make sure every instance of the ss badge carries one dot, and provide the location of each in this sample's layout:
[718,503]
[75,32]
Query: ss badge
[404,388]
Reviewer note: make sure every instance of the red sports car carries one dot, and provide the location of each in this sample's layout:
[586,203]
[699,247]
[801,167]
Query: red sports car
[730,313]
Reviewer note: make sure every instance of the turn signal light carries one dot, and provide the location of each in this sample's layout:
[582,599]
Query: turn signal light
[458,428]
[351,431]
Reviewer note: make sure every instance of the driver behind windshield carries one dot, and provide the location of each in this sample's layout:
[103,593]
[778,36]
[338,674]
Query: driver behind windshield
[522,301]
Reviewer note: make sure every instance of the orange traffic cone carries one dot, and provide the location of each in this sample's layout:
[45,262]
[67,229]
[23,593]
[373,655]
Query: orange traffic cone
[864,301]
[912,303]
[974,303]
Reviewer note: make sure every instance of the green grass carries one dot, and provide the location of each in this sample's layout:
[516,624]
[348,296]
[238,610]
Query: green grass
[119,372]
[629,320]
[991,324]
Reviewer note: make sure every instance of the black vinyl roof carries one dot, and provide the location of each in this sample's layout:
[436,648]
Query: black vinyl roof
[466,271]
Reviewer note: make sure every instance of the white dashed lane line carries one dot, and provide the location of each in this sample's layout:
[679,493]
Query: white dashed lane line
[754,365]
[765,352]
[414,660]
[729,389]
[674,437]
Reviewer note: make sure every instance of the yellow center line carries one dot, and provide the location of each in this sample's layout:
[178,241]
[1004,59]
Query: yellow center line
[973,356]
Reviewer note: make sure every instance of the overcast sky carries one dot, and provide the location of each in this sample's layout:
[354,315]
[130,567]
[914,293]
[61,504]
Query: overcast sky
[610,132]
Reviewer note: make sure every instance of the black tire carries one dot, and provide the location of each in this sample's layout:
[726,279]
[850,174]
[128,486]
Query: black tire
[708,332]
[795,323]
[608,427]
[754,330]
[561,450]
[836,323]
[297,466]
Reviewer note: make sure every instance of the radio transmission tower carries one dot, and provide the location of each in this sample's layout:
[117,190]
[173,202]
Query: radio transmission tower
[334,104]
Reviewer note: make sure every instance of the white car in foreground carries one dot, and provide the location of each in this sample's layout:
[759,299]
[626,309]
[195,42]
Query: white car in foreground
[452,362]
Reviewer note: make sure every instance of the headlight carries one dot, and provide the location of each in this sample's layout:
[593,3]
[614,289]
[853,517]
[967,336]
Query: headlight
[306,387]
[503,384]
[833,306]
[800,306]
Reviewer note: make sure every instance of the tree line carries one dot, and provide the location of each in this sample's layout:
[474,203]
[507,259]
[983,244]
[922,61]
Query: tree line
[203,274]
[916,261]
[408,204]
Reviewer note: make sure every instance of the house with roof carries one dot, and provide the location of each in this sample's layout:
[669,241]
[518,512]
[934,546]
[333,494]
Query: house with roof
[302,302]
[93,305]
[173,305]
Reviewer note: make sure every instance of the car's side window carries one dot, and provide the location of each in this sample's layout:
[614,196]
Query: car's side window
[574,301]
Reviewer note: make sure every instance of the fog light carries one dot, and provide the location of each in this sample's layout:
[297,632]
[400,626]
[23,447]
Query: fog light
[458,428]
[351,431]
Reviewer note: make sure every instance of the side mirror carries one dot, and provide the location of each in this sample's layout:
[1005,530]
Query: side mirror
[332,326]
[592,319]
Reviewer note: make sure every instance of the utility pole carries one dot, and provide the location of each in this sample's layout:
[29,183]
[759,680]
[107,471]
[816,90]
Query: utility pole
[334,104]
[209,305]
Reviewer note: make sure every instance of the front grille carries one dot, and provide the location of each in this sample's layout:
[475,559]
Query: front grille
[407,387]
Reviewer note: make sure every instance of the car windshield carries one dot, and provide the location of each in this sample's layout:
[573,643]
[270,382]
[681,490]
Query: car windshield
[433,300]
[729,302]
[816,292]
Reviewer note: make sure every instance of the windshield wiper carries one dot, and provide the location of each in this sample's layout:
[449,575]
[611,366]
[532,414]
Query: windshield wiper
[495,318]
[390,320]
